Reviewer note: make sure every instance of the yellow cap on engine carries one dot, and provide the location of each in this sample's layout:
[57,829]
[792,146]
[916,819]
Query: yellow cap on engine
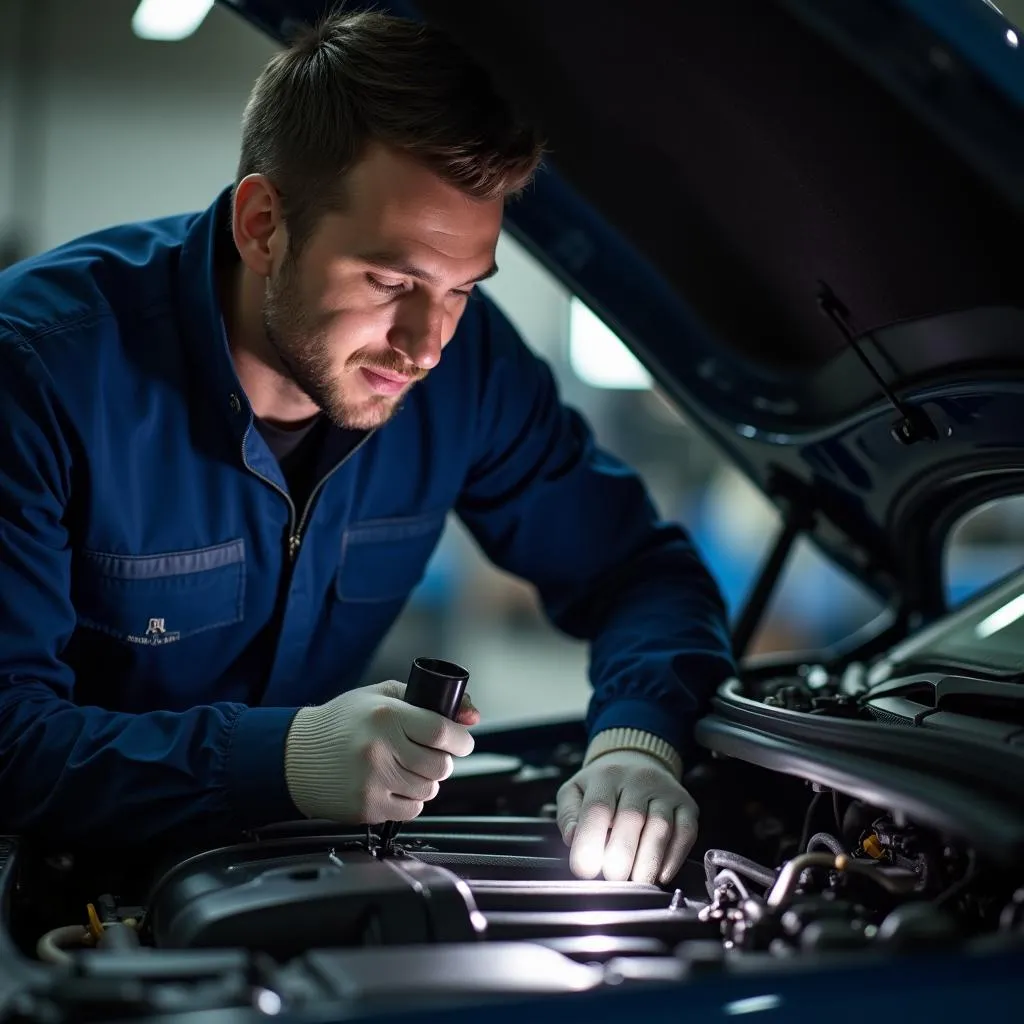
[95,924]
[872,846]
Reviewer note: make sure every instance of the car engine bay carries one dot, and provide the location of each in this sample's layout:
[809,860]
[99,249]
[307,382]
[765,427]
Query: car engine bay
[476,900]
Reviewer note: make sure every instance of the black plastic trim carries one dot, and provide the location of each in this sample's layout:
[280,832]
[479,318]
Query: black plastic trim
[960,759]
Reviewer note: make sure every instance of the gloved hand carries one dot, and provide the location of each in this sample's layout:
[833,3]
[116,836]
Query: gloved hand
[367,756]
[634,796]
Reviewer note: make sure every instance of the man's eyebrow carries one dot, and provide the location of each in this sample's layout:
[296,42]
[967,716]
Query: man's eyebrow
[399,264]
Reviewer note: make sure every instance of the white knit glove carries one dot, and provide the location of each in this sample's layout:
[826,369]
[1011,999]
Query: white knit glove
[367,756]
[625,814]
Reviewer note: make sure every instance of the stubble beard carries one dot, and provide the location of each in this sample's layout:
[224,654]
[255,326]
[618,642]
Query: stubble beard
[303,351]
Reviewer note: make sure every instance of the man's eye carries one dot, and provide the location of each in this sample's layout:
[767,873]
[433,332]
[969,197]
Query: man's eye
[383,286]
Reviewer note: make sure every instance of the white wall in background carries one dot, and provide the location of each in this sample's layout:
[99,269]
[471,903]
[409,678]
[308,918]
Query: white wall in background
[10,13]
[137,129]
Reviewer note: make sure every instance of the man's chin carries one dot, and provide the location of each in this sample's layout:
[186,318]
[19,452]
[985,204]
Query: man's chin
[368,415]
[357,407]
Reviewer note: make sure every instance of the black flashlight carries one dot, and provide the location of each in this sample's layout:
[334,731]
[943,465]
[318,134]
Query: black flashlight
[435,686]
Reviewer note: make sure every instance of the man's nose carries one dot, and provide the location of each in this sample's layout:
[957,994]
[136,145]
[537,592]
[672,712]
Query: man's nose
[418,332]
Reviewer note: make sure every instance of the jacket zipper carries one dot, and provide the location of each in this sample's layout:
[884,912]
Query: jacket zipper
[295,530]
[295,540]
[284,494]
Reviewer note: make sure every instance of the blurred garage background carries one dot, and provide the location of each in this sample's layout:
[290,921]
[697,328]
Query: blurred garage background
[101,123]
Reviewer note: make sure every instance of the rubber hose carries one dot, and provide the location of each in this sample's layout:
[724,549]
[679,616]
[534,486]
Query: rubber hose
[714,860]
[118,938]
[50,947]
[827,840]
[730,876]
[783,890]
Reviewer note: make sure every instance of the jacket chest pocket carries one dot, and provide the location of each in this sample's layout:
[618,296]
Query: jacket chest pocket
[384,559]
[157,599]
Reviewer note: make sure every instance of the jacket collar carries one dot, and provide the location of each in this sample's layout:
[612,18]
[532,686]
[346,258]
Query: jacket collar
[202,320]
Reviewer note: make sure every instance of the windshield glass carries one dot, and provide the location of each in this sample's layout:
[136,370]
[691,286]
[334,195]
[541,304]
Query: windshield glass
[987,633]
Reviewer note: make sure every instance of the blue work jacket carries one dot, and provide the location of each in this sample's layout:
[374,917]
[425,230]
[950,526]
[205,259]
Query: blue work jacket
[164,609]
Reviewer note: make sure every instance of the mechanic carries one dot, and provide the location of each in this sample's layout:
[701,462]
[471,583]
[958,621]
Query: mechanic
[231,442]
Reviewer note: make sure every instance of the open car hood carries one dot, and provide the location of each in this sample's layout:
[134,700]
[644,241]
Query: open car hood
[803,216]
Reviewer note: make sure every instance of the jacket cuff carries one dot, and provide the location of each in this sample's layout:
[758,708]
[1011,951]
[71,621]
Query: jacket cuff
[257,791]
[635,739]
[645,716]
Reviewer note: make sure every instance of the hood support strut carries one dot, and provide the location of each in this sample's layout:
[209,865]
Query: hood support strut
[914,424]
[799,518]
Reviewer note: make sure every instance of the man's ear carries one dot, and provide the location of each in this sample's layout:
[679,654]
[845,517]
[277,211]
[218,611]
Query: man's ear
[257,223]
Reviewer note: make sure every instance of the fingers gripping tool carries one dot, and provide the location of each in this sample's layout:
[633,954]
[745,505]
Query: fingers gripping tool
[436,686]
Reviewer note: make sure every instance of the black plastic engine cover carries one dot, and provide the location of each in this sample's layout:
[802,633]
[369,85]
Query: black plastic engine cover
[367,978]
[303,886]
[268,896]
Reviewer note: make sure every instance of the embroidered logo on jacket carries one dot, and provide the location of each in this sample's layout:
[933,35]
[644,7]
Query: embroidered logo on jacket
[156,633]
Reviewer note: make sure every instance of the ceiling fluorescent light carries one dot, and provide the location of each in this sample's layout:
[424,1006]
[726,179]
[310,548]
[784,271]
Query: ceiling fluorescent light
[598,356]
[169,20]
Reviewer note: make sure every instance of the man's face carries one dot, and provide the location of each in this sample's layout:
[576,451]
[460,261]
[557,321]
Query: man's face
[378,289]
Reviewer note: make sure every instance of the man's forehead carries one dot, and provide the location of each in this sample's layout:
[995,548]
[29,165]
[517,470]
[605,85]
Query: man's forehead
[383,170]
[392,195]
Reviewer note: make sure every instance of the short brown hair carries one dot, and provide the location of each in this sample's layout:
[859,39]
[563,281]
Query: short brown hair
[362,77]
